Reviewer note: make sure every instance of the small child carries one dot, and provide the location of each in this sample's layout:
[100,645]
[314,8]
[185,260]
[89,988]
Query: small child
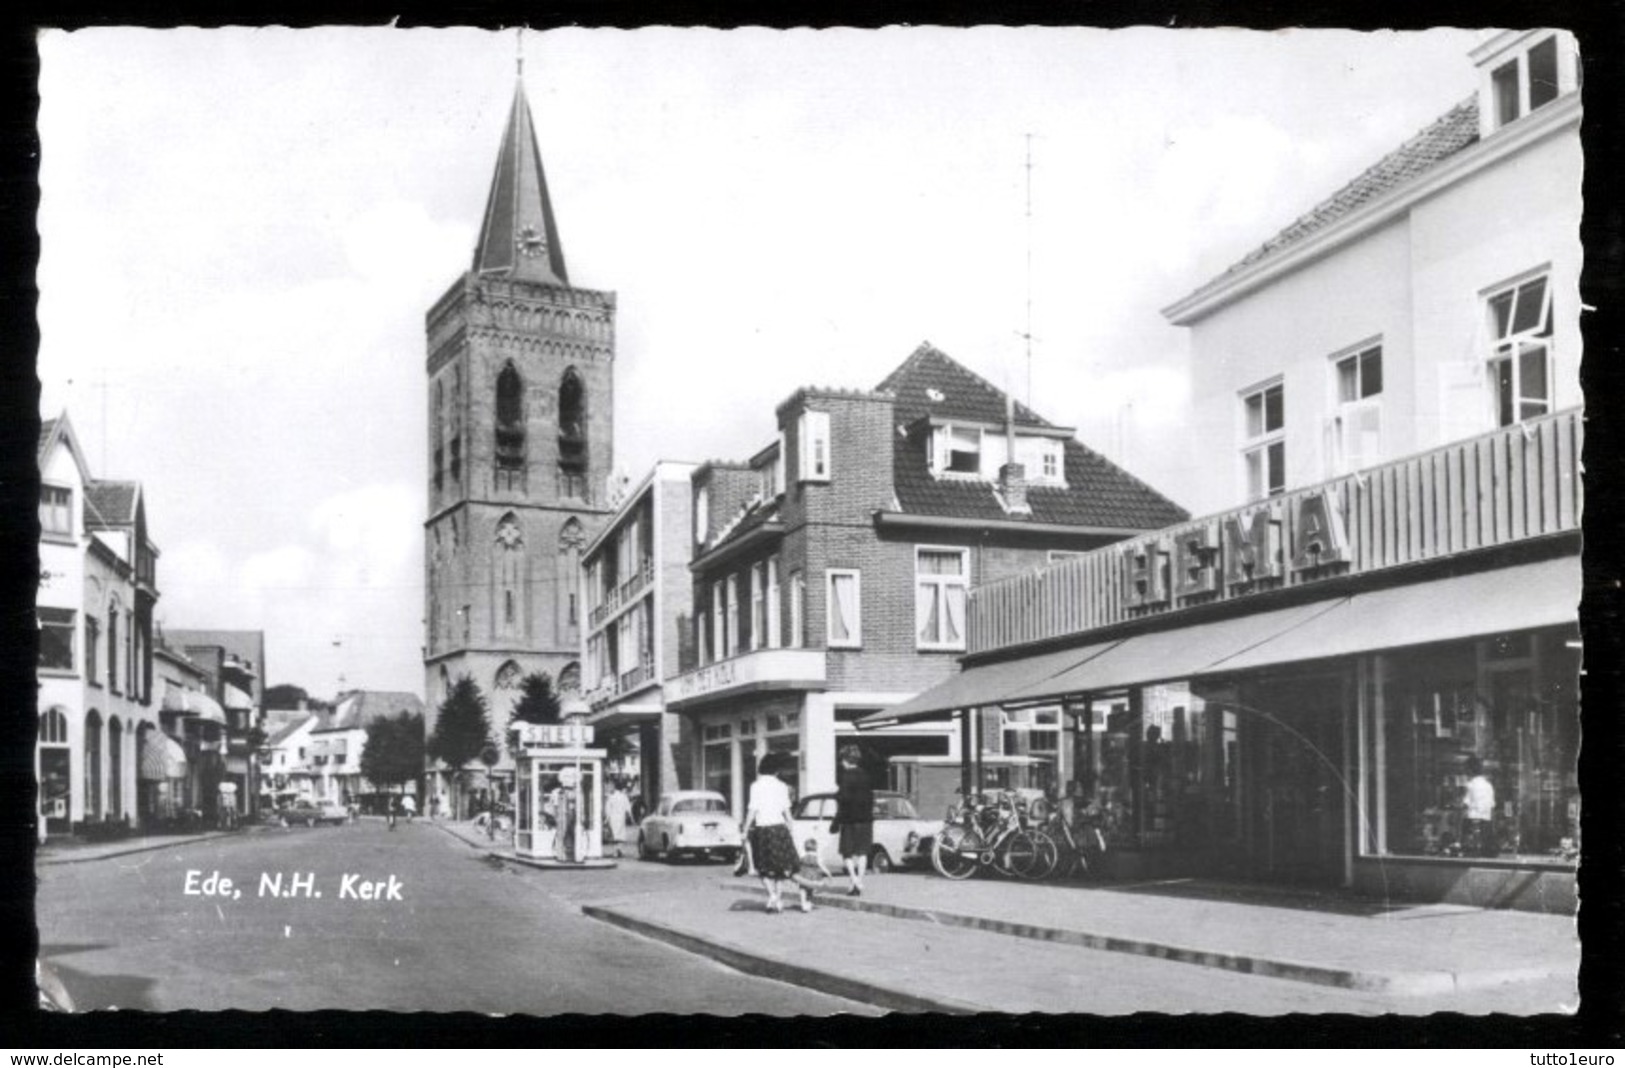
[812,876]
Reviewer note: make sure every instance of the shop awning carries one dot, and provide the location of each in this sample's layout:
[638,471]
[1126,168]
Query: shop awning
[983,685]
[236,699]
[1545,594]
[1464,606]
[162,758]
[1181,653]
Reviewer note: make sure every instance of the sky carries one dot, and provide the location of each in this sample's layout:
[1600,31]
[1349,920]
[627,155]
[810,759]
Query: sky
[242,229]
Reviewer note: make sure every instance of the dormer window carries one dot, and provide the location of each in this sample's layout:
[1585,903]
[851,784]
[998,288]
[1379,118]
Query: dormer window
[957,450]
[1522,77]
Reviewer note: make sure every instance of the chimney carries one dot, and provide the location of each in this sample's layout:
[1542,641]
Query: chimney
[1012,475]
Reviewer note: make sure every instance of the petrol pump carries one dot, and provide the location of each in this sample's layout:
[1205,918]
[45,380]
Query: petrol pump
[558,806]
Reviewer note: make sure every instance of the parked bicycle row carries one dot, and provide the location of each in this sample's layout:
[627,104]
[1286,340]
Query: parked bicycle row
[1008,834]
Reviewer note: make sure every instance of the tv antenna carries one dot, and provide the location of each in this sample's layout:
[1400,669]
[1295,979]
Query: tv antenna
[1027,333]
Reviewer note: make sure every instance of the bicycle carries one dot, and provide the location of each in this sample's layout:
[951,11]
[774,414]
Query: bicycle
[990,834]
[1075,852]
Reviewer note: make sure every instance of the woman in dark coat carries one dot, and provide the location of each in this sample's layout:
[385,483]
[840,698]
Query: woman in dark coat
[854,817]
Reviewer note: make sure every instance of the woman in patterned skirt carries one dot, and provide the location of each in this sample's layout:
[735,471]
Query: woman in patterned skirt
[767,822]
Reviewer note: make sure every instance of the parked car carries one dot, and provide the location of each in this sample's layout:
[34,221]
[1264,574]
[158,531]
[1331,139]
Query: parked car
[313,814]
[901,837]
[692,823]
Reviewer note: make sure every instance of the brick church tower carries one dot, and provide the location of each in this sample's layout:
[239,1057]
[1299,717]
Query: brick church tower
[521,382]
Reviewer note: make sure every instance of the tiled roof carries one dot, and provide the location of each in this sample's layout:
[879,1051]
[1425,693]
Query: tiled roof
[930,382]
[287,729]
[1446,136]
[356,710]
[1098,492]
[110,504]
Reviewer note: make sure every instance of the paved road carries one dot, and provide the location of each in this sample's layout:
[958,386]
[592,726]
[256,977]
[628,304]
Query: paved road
[465,934]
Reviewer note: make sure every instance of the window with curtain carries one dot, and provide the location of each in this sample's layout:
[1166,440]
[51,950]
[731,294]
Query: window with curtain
[798,610]
[774,623]
[941,577]
[844,607]
[758,606]
[56,510]
[733,614]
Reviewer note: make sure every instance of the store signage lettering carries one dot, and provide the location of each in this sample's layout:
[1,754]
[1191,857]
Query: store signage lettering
[555,734]
[1244,547]
[707,679]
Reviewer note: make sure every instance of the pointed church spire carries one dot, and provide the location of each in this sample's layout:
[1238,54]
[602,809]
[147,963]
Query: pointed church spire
[519,238]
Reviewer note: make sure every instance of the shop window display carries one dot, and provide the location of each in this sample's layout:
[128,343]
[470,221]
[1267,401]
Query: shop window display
[1156,768]
[1490,726]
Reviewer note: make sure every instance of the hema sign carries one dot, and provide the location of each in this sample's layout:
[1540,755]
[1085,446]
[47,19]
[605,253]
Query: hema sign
[1238,552]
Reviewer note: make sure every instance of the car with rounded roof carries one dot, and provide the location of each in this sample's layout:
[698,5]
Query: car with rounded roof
[313,813]
[901,837]
[693,823]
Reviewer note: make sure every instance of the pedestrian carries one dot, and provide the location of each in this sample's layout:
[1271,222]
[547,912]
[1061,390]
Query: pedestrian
[767,825]
[1478,831]
[389,811]
[617,816]
[854,817]
[812,875]
[410,805]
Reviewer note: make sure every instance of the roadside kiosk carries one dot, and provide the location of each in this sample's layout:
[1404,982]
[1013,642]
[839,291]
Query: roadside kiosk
[558,807]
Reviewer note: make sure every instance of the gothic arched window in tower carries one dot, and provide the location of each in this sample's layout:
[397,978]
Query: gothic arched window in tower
[436,433]
[567,577]
[572,436]
[508,677]
[510,430]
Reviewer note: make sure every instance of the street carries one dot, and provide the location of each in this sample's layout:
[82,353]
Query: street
[359,917]
[465,934]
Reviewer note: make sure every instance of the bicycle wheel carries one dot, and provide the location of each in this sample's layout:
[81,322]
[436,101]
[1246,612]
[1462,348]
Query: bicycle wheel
[954,852]
[1027,855]
[1049,856]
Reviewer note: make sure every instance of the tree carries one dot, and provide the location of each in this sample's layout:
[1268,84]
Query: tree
[462,730]
[537,704]
[283,695]
[393,753]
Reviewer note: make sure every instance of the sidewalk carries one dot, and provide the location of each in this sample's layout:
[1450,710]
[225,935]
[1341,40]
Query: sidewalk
[918,940]
[69,851]
[501,847]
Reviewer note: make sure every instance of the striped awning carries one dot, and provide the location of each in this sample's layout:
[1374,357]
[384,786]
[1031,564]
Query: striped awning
[192,703]
[235,699]
[162,758]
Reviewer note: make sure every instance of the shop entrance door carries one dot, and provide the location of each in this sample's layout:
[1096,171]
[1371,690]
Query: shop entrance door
[1296,802]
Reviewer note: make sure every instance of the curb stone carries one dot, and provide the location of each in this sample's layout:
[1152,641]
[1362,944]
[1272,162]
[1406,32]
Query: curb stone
[1407,984]
[783,971]
[70,859]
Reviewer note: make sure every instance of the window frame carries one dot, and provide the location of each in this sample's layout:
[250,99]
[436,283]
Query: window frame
[1260,444]
[732,622]
[814,441]
[798,609]
[59,621]
[758,604]
[774,625]
[942,584]
[62,510]
[1508,350]
[1340,459]
[853,640]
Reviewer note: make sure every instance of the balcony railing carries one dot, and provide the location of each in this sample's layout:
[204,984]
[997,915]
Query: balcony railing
[625,593]
[1510,485]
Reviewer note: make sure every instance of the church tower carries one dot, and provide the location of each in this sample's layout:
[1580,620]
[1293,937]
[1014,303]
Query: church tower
[520,383]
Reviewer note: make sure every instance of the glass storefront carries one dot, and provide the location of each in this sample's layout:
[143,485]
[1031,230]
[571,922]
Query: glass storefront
[1157,765]
[1503,710]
